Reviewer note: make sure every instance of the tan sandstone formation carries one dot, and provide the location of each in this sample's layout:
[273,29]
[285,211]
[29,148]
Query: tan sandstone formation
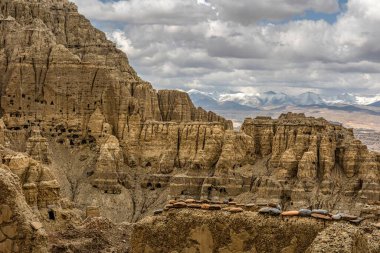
[62,77]
[40,187]
[58,69]
[217,231]
[310,162]
[20,229]
[68,93]
[81,131]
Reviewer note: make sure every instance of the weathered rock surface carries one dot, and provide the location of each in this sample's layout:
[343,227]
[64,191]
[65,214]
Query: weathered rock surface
[16,217]
[39,185]
[311,162]
[63,82]
[58,69]
[78,123]
[218,231]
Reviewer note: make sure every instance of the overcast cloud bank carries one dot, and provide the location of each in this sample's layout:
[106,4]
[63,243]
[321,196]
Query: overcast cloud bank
[247,45]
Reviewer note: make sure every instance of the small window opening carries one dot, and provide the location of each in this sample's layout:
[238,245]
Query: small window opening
[51,215]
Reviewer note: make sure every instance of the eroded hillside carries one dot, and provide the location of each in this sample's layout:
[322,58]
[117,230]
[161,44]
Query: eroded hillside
[84,136]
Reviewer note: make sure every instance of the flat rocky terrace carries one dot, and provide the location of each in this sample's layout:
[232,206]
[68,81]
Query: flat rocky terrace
[213,226]
[199,230]
[188,229]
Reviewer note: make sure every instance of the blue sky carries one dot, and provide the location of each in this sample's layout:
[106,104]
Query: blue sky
[330,18]
[295,46]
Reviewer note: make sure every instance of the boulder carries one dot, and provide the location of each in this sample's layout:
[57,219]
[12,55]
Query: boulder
[320,211]
[321,216]
[235,210]
[180,205]
[215,207]
[270,210]
[205,206]
[305,212]
[290,213]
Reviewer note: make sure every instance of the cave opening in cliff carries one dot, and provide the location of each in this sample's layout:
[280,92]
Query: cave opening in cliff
[51,215]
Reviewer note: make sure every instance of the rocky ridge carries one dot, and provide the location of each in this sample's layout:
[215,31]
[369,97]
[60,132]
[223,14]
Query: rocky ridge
[82,131]
[20,229]
[220,231]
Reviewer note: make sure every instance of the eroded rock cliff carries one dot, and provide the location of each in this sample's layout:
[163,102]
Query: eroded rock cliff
[313,162]
[20,229]
[82,132]
[202,231]
[56,68]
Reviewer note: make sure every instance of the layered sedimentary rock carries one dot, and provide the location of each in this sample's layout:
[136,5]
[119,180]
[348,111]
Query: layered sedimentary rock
[217,231]
[58,69]
[40,187]
[80,120]
[37,146]
[311,159]
[295,161]
[20,229]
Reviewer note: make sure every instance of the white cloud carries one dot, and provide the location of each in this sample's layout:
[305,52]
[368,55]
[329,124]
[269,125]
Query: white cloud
[250,11]
[123,43]
[184,44]
[146,11]
[203,2]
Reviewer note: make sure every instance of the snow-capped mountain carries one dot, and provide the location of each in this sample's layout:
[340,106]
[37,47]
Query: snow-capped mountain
[269,98]
[308,98]
[241,98]
[367,100]
[345,98]
[210,101]
[248,101]
[376,104]
[352,99]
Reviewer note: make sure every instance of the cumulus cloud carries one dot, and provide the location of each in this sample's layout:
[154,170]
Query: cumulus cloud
[250,11]
[172,12]
[247,44]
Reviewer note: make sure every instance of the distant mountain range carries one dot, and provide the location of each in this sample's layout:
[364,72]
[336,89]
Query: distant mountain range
[271,99]
[377,104]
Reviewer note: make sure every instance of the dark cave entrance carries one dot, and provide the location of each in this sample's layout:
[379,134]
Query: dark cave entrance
[51,215]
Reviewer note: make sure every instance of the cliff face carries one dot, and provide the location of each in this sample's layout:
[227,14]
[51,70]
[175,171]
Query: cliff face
[58,69]
[295,161]
[92,131]
[217,231]
[20,229]
[312,161]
